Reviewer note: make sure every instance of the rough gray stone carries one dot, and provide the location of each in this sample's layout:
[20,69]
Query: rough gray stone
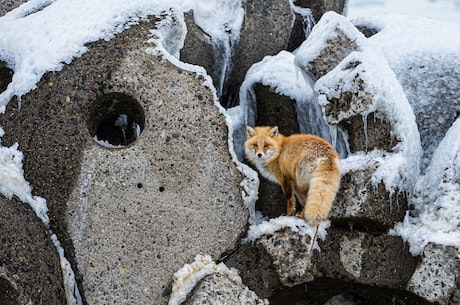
[255,268]
[266,31]
[220,289]
[342,39]
[436,277]
[347,258]
[195,40]
[381,260]
[290,253]
[30,270]
[364,206]
[129,217]
[9,5]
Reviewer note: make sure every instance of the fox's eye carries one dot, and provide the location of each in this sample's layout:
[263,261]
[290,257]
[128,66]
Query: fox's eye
[266,146]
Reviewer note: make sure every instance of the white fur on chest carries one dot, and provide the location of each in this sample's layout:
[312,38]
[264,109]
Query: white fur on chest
[261,166]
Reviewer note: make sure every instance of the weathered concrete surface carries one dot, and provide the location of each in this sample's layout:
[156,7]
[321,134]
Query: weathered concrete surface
[220,289]
[260,36]
[30,271]
[8,5]
[356,257]
[359,257]
[128,218]
[195,40]
[436,277]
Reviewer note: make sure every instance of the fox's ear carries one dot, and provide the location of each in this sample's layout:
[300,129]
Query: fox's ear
[273,132]
[250,132]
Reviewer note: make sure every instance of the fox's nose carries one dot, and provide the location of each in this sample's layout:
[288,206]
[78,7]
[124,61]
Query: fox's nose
[259,155]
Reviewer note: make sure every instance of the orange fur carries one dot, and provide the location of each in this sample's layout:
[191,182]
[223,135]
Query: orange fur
[306,166]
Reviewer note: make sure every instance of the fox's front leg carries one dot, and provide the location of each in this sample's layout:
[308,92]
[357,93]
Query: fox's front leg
[288,190]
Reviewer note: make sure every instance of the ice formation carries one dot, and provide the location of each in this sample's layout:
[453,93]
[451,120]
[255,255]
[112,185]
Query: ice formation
[436,215]
[398,169]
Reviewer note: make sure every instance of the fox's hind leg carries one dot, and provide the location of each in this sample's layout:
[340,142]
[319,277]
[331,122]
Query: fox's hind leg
[288,190]
[324,184]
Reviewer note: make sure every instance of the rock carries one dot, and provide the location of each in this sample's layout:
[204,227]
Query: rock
[255,268]
[195,40]
[436,277]
[363,258]
[354,257]
[9,5]
[266,31]
[364,206]
[342,39]
[220,289]
[320,7]
[30,270]
[129,216]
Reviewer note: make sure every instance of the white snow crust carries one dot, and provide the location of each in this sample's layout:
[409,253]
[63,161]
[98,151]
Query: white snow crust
[186,278]
[269,227]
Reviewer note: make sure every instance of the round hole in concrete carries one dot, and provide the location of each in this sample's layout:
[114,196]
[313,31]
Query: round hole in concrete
[116,120]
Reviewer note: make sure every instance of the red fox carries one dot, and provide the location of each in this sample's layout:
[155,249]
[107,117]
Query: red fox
[306,166]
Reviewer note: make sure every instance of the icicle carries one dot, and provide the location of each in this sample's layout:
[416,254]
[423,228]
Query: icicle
[366,139]
[307,15]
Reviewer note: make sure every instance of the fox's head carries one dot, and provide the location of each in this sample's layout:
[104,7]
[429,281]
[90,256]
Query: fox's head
[261,144]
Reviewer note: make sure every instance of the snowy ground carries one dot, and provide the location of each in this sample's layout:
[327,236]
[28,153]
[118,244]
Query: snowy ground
[43,35]
[446,10]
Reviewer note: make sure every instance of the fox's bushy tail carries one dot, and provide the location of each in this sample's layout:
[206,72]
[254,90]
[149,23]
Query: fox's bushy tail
[324,185]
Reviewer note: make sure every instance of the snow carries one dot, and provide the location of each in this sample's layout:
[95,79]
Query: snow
[436,217]
[66,26]
[13,183]
[440,10]
[269,227]
[428,70]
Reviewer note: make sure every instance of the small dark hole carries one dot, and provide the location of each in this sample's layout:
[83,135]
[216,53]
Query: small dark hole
[161,189]
[139,185]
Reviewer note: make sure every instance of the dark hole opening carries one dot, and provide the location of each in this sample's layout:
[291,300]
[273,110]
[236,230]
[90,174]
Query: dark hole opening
[116,120]
[6,76]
